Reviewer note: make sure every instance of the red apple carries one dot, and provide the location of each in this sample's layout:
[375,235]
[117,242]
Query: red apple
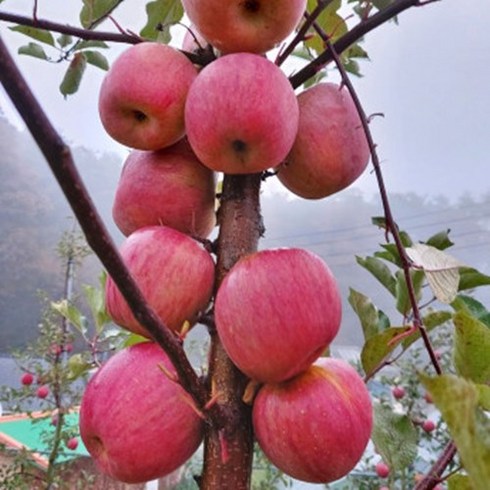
[330,151]
[72,443]
[167,187]
[398,392]
[141,100]
[382,469]
[276,312]
[27,379]
[174,273]
[254,26]
[428,425]
[135,422]
[241,114]
[316,426]
[42,391]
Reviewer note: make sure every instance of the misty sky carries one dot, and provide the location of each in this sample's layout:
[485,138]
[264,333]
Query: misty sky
[429,76]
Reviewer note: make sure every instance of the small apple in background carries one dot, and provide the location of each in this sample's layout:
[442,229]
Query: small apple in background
[54,419]
[428,397]
[398,392]
[382,469]
[316,426]
[72,443]
[330,151]
[142,97]
[276,312]
[428,426]
[175,275]
[167,187]
[255,26]
[42,392]
[27,379]
[241,114]
[135,422]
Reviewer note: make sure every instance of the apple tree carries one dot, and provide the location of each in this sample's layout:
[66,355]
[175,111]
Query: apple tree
[224,106]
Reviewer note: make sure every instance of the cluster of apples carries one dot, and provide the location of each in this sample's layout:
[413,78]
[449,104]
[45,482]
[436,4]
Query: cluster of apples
[276,311]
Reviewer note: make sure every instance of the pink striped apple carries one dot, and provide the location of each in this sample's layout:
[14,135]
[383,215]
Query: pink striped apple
[276,312]
[174,273]
[135,421]
[167,187]
[141,100]
[316,426]
[330,151]
[241,114]
[254,26]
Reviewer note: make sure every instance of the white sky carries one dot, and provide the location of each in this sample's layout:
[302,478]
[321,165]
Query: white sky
[429,76]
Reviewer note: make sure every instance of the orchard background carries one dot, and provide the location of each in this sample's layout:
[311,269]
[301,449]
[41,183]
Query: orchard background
[458,320]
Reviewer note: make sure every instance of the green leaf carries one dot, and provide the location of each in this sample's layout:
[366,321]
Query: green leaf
[330,22]
[484,396]
[403,304]
[472,306]
[71,313]
[162,14]
[436,318]
[367,313]
[471,348]
[96,300]
[394,437]
[457,400]
[379,346]
[90,45]
[96,59]
[459,482]
[440,240]
[380,271]
[40,35]
[33,49]
[133,339]
[471,278]
[73,75]
[94,11]
[77,366]
[64,40]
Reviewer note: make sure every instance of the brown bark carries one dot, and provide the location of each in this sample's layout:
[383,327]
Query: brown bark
[228,448]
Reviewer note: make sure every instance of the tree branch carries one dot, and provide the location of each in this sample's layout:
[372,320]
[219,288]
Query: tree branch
[60,160]
[353,36]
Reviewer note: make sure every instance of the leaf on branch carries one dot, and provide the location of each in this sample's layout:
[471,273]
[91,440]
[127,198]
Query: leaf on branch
[440,240]
[441,270]
[162,14]
[380,271]
[372,320]
[458,401]
[96,59]
[38,34]
[33,49]
[403,303]
[459,482]
[90,44]
[94,11]
[64,40]
[96,300]
[78,366]
[73,75]
[394,437]
[379,347]
[71,313]
[473,307]
[471,348]
[471,278]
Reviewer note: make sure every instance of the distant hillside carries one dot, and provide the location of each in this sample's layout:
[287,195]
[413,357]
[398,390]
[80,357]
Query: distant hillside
[33,215]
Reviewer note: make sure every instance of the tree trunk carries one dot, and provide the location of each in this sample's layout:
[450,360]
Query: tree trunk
[228,450]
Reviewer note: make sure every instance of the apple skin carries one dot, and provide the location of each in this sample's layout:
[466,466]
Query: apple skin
[382,469]
[241,114]
[166,187]
[27,379]
[175,275]
[134,420]
[316,426]
[254,26]
[142,97]
[276,312]
[330,151]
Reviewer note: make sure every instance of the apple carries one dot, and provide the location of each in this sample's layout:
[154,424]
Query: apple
[428,426]
[241,114]
[276,312]
[72,443]
[142,97]
[175,275]
[27,379]
[42,392]
[316,426]
[330,151]
[382,469]
[254,26]
[135,422]
[398,392]
[166,187]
